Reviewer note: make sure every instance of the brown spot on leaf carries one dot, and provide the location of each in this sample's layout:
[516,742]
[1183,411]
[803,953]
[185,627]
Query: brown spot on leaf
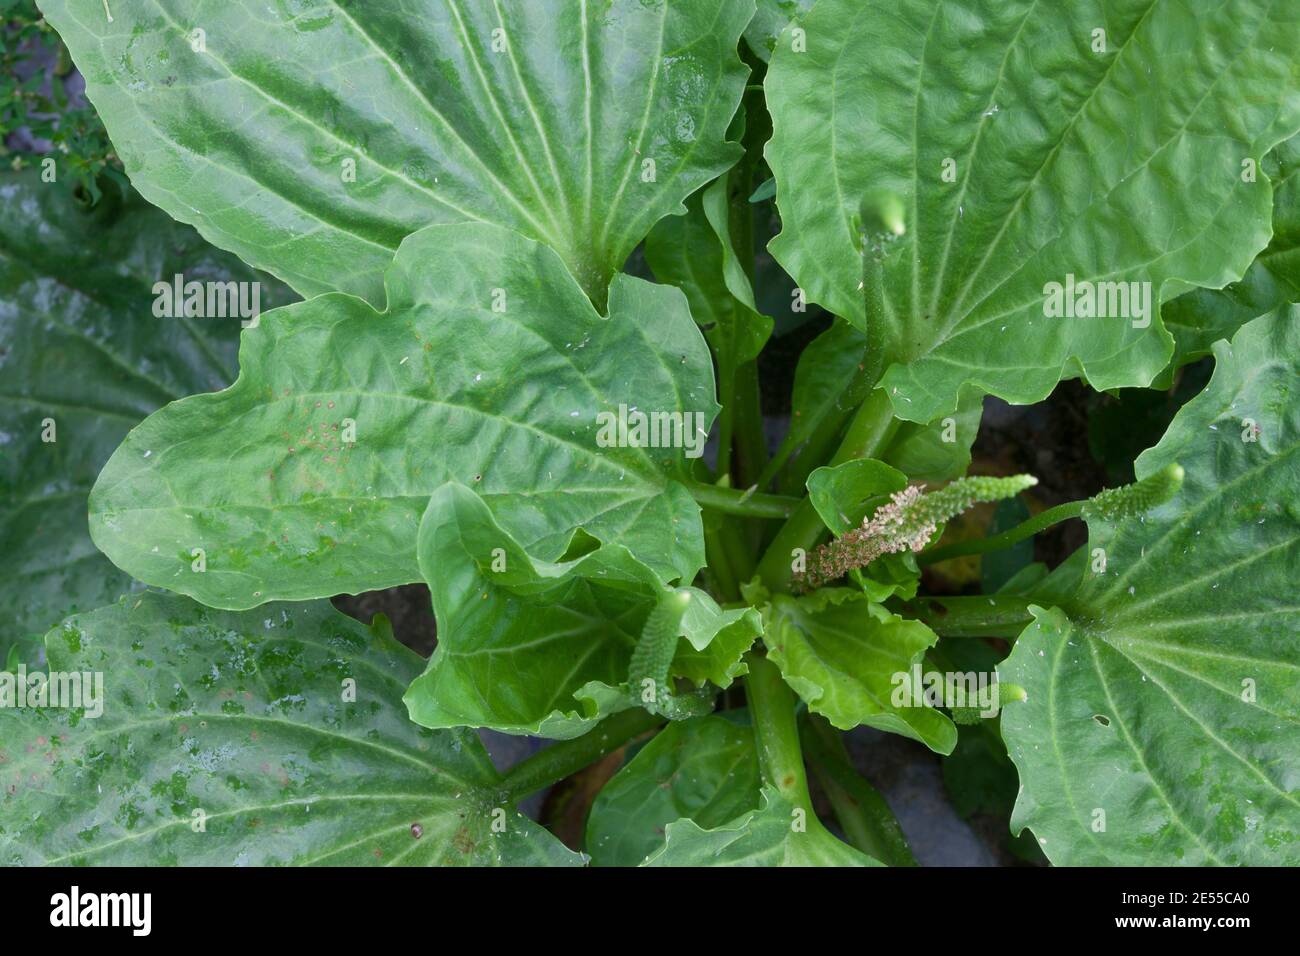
[462,842]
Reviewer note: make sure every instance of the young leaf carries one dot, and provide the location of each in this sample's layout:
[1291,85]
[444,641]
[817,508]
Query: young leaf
[842,653]
[685,251]
[311,141]
[845,494]
[772,835]
[1029,144]
[828,389]
[940,450]
[823,397]
[85,358]
[1162,709]
[309,476]
[274,737]
[532,647]
[704,769]
[765,191]
[716,640]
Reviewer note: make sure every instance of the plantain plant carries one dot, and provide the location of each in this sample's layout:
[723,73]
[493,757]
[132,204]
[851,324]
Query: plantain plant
[477,393]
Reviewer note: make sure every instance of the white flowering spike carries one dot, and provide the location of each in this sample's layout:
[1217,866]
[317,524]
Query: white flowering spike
[905,524]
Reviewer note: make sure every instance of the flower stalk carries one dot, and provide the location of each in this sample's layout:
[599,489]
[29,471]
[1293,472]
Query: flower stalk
[1113,504]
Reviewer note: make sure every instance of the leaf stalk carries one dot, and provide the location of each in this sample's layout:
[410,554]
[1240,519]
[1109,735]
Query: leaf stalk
[747,504]
[862,812]
[973,616]
[772,709]
[550,766]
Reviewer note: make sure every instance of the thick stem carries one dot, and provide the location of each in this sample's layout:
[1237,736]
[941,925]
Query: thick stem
[751,446]
[821,444]
[975,616]
[774,465]
[865,817]
[720,566]
[873,293]
[772,709]
[800,531]
[726,419]
[748,504]
[872,429]
[740,553]
[567,757]
[1039,522]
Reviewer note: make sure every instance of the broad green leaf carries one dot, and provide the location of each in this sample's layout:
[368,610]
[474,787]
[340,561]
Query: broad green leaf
[83,358]
[533,647]
[1055,587]
[311,137]
[1023,148]
[766,836]
[705,770]
[842,653]
[771,17]
[1200,318]
[268,737]
[1163,694]
[310,475]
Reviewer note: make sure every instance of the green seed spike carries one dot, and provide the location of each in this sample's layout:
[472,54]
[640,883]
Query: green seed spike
[654,651]
[1129,501]
[951,500]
